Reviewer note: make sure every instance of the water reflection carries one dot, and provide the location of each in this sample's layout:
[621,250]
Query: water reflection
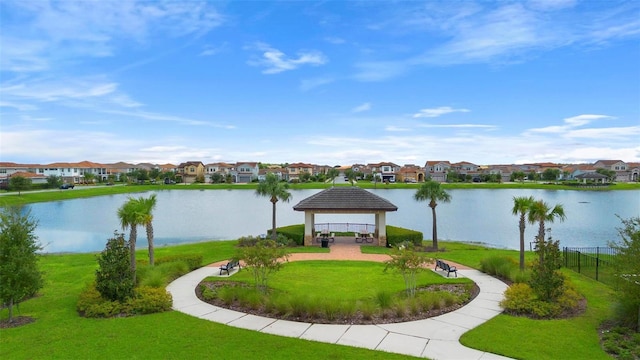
[183,216]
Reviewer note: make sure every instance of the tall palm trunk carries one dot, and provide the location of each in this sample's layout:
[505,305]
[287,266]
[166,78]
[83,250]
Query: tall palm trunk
[132,251]
[541,240]
[150,240]
[434,232]
[522,227]
[274,200]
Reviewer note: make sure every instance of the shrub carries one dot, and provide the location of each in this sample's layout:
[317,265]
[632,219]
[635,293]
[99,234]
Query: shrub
[501,266]
[114,278]
[397,235]
[384,299]
[518,298]
[293,233]
[149,300]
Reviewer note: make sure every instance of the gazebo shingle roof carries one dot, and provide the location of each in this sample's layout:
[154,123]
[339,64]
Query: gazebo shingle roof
[345,198]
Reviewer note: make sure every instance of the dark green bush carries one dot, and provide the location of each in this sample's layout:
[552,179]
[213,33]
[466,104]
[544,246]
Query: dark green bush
[397,235]
[114,280]
[520,299]
[146,300]
[293,232]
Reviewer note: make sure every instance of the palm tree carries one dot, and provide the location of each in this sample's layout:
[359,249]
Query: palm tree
[147,206]
[274,189]
[540,212]
[521,206]
[130,215]
[432,192]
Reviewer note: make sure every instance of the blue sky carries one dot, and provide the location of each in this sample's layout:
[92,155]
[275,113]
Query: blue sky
[330,83]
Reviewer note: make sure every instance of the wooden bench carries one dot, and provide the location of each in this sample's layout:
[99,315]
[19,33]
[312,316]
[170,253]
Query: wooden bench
[446,267]
[230,266]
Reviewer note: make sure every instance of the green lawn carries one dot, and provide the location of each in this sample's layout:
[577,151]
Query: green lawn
[60,333]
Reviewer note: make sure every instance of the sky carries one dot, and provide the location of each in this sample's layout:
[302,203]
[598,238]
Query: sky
[327,83]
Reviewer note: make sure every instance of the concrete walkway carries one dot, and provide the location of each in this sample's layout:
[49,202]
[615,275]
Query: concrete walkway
[435,338]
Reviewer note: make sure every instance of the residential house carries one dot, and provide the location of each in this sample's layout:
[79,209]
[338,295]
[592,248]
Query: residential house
[504,172]
[411,173]
[619,166]
[246,172]
[385,171]
[437,170]
[191,171]
[294,171]
[277,171]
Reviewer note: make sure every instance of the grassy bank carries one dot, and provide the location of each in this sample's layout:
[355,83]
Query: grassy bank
[60,333]
[26,197]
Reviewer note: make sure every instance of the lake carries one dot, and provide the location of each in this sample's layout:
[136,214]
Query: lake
[475,215]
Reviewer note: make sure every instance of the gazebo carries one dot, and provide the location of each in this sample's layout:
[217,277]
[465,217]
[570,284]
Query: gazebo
[593,176]
[345,200]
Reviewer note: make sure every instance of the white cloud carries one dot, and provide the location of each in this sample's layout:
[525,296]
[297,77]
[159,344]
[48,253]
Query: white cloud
[458,126]
[361,108]
[570,123]
[394,128]
[17,106]
[308,84]
[162,117]
[379,70]
[275,61]
[435,112]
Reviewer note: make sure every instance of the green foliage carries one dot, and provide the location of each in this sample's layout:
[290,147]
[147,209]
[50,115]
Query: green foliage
[113,277]
[146,300]
[546,279]
[502,267]
[262,259]
[275,190]
[409,263]
[20,277]
[628,273]
[432,192]
[293,232]
[54,181]
[622,344]
[19,183]
[521,299]
[397,235]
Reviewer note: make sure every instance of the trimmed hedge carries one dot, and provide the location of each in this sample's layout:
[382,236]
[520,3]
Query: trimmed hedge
[397,235]
[293,232]
[194,261]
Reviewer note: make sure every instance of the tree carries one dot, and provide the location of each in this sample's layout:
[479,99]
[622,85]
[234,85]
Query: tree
[275,190]
[130,215]
[147,206]
[610,174]
[332,174]
[550,174]
[432,192]
[114,280]
[628,272]
[20,277]
[217,178]
[263,258]
[154,174]
[546,279]
[89,177]
[408,263]
[54,181]
[19,183]
[541,213]
[521,206]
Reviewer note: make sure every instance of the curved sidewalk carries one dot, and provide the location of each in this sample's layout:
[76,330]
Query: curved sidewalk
[434,338]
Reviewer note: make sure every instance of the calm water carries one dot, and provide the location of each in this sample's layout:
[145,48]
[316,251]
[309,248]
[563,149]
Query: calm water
[184,216]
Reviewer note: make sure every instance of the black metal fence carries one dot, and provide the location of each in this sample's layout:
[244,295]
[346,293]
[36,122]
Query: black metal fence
[598,263]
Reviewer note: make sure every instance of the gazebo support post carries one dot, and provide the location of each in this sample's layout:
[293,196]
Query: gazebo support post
[309,220]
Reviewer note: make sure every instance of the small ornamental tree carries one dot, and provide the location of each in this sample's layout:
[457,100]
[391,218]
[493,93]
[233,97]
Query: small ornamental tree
[54,181]
[547,281]
[264,258]
[408,263]
[19,183]
[20,277]
[114,280]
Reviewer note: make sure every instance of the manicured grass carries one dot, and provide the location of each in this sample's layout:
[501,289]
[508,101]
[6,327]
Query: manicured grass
[574,338]
[60,333]
[339,280]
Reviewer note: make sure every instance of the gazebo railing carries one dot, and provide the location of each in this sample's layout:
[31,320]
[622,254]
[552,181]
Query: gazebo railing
[345,227]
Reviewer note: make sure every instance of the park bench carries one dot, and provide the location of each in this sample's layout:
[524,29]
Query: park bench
[446,267]
[229,266]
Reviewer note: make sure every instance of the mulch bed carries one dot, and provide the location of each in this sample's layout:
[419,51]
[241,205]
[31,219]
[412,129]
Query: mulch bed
[16,322]
[388,317]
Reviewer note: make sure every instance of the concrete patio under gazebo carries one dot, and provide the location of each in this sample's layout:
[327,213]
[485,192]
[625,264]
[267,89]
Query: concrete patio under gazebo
[345,200]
